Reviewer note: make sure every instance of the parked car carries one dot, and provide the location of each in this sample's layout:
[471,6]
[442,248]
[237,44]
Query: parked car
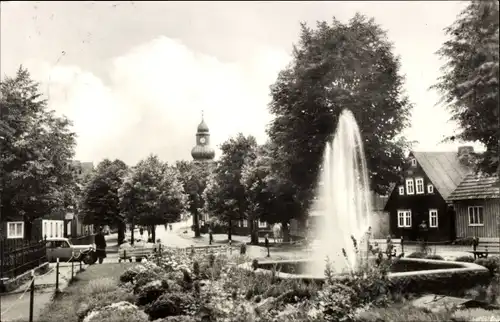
[63,249]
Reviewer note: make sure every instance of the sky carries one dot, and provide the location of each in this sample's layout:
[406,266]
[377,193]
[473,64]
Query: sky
[134,77]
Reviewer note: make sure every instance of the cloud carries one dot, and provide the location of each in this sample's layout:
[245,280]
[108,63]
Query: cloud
[154,99]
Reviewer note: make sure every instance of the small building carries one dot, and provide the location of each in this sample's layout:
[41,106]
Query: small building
[423,194]
[476,202]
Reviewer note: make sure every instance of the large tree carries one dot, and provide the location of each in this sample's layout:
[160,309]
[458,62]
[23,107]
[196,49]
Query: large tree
[36,148]
[194,176]
[337,66]
[272,196]
[152,194]
[100,204]
[225,196]
[469,83]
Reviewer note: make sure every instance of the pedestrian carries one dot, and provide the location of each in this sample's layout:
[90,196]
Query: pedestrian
[141,231]
[170,227]
[210,236]
[100,243]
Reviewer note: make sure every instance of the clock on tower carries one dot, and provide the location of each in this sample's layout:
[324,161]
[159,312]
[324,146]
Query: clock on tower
[202,151]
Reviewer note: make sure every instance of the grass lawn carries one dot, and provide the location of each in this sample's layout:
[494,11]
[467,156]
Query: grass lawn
[66,304]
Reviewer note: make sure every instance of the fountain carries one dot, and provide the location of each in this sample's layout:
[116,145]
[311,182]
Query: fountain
[345,197]
[346,204]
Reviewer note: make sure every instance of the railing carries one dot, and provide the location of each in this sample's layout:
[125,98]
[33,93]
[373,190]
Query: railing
[19,256]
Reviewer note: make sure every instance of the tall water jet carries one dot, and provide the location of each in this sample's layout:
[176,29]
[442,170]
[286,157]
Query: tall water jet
[344,199]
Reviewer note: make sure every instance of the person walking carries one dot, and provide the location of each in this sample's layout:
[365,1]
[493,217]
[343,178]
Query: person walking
[100,243]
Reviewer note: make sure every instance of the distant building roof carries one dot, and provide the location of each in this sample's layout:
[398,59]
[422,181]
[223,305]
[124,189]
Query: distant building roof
[444,169]
[477,186]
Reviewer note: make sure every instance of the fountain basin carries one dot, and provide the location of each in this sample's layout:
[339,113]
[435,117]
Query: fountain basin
[409,274]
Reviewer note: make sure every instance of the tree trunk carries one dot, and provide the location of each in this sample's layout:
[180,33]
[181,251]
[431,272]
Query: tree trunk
[153,233]
[121,232]
[286,232]
[230,230]
[196,224]
[132,228]
[254,234]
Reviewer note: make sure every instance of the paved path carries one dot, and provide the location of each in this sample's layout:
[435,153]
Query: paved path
[15,305]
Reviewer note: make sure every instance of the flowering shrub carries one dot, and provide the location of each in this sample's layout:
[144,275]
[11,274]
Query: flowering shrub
[117,312]
[187,286]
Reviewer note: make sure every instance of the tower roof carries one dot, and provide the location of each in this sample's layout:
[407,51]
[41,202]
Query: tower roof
[201,152]
[203,127]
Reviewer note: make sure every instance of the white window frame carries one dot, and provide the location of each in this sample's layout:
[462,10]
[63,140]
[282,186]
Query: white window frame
[404,218]
[408,186]
[413,162]
[401,190]
[479,222]
[245,223]
[430,188]
[13,234]
[433,214]
[262,224]
[417,181]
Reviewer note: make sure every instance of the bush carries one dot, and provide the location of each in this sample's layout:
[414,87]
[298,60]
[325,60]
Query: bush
[150,292]
[442,283]
[435,257]
[491,263]
[178,318]
[417,255]
[170,304]
[100,300]
[100,293]
[465,259]
[117,312]
[128,276]
[336,301]
[144,277]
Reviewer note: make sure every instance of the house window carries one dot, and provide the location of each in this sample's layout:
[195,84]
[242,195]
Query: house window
[410,188]
[401,190]
[419,184]
[15,229]
[404,218]
[476,216]
[262,224]
[430,188]
[245,223]
[433,218]
[413,162]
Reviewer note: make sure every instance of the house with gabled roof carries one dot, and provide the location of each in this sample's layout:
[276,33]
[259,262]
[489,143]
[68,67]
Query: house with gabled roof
[423,194]
[476,201]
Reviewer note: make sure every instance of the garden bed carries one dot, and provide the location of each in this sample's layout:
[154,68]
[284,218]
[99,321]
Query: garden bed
[98,284]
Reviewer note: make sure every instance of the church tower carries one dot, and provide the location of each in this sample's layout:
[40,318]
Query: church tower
[202,150]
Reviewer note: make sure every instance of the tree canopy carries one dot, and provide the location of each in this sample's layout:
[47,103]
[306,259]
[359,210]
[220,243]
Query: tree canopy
[36,151]
[152,193]
[469,83]
[194,177]
[334,67]
[225,195]
[100,204]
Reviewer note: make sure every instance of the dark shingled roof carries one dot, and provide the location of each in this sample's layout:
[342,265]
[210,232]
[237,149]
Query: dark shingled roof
[444,170]
[477,186]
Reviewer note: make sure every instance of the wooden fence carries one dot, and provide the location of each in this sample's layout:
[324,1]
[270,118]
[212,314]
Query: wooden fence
[18,256]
